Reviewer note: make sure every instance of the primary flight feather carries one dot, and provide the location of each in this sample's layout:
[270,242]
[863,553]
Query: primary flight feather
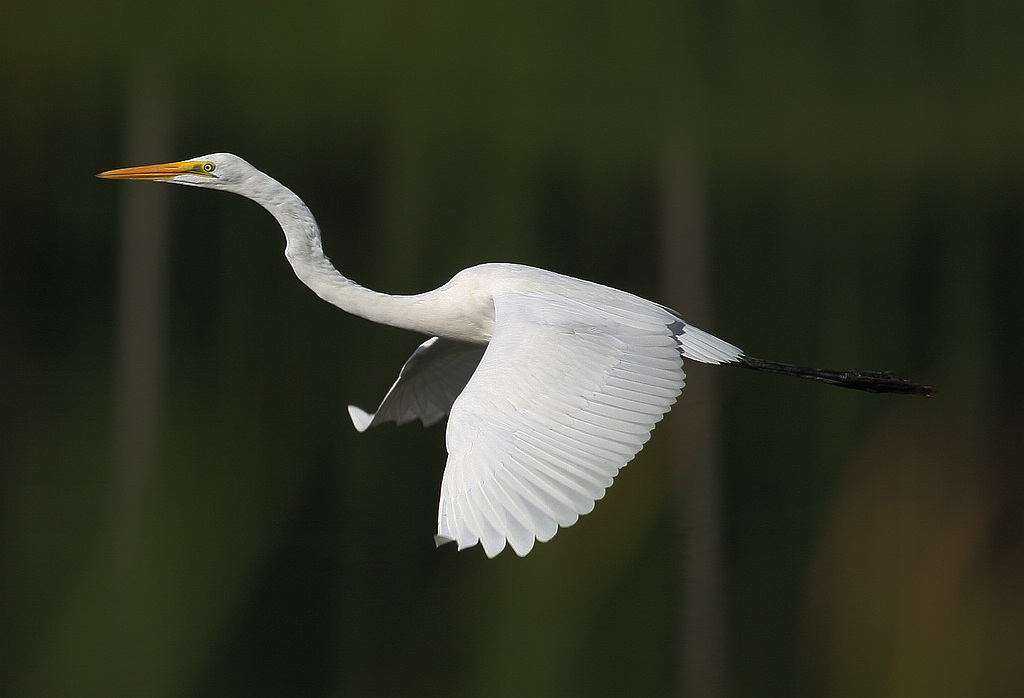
[551,384]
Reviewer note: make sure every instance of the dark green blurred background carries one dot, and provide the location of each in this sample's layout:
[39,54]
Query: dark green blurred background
[185,508]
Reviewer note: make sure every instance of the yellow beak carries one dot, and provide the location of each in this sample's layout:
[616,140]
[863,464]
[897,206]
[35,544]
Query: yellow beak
[167,170]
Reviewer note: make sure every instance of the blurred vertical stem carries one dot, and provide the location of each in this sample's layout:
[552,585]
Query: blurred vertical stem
[141,296]
[694,434]
[139,378]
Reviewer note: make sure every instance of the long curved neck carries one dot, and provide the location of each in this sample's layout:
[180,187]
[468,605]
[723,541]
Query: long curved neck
[306,255]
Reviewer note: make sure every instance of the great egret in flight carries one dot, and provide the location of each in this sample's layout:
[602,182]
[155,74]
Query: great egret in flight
[551,384]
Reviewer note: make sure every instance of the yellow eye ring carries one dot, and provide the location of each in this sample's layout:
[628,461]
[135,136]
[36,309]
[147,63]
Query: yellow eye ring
[209,167]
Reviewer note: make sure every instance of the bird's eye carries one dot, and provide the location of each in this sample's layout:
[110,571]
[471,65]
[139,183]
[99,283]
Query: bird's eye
[209,167]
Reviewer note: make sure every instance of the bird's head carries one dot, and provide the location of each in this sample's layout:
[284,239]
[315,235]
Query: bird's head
[214,171]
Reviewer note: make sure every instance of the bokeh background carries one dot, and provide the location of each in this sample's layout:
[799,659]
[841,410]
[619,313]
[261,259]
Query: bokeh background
[185,508]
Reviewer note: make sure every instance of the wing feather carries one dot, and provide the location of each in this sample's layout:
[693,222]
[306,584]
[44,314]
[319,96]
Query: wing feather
[543,516]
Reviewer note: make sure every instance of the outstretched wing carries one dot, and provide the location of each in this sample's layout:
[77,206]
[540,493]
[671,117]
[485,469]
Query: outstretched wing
[566,394]
[427,385]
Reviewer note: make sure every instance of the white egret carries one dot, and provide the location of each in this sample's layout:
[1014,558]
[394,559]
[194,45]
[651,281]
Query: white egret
[551,384]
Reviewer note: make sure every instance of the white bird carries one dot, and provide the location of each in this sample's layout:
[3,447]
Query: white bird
[551,384]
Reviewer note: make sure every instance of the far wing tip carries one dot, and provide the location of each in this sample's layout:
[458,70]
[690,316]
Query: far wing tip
[361,419]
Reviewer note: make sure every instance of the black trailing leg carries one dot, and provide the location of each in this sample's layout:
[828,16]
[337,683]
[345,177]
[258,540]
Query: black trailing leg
[857,379]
